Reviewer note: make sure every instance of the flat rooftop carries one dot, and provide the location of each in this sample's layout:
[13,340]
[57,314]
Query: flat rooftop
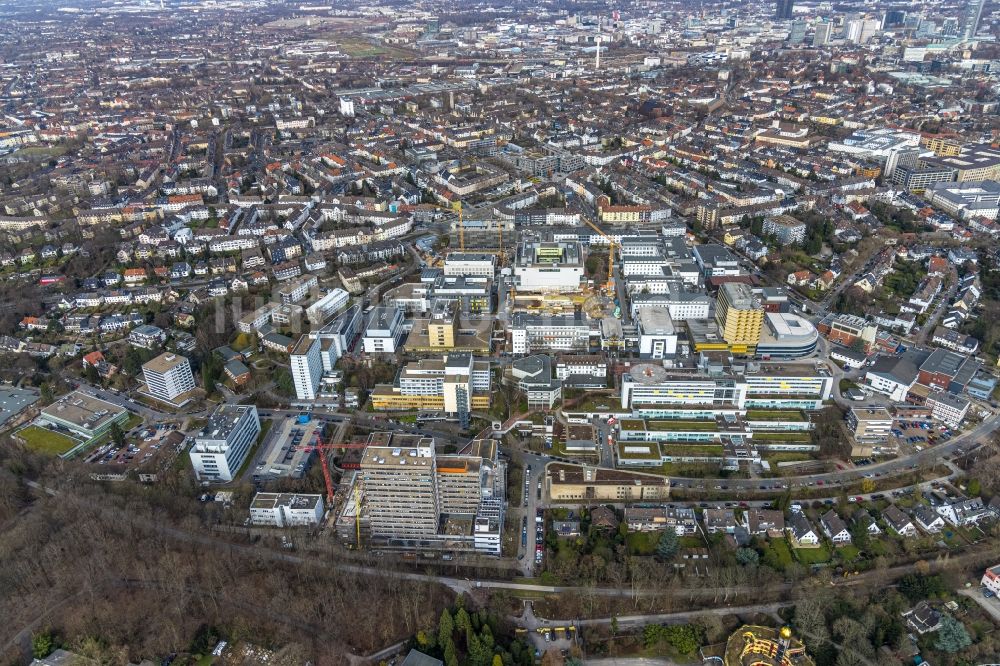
[223,420]
[13,401]
[291,500]
[164,363]
[82,410]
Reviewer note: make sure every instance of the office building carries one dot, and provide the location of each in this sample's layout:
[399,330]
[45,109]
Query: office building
[740,316]
[286,510]
[384,331]
[533,376]
[548,267]
[657,335]
[400,490]
[168,376]
[83,415]
[797,32]
[784,9]
[221,447]
[785,335]
[821,37]
[307,367]
[870,427]
[972,14]
[456,385]
[531,333]
[327,306]
[470,264]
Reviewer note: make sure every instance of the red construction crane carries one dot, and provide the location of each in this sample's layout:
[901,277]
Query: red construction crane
[323,449]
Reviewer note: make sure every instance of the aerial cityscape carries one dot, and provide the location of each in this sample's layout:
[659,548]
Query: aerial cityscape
[496,334]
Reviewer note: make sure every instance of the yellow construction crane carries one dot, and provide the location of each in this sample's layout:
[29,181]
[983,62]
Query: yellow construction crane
[609,285]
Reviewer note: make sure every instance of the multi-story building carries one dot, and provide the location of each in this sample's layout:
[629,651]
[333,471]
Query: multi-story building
[286,510]
[470,264]
[296,290]
[327,306]
[384,330]
[785,229]
[307,366]
[168,376]
[740,316]
[548,267]
[83,415]
[870,427]
[531,333]
[948,408]
[456,385]
[416,499]
[400,490]
[221,447]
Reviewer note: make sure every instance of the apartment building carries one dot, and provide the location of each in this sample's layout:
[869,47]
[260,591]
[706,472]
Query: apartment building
[307,367]
[168,376]
[221,447]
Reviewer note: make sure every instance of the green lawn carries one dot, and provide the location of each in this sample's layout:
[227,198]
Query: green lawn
[801,436]
[642,543]
[680,426]
[691,450]
[812,555]
[848,553]
[46,441]
[775,415]
[778,555]
[134,420]
[787,456]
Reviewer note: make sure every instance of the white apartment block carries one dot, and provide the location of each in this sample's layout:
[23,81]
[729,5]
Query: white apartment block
[298,289]
[168,376]
[307,367]
[328,305]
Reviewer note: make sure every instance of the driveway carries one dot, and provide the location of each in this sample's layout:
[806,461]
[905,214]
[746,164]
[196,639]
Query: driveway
[991,605]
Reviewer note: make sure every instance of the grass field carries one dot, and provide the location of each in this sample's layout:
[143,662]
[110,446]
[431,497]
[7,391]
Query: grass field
[812,555]
[357,47]
[46,441]
[848,553]
[778,555]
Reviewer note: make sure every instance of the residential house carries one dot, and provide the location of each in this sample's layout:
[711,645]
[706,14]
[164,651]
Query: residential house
[899,522]
[835,529]
[801,531]
[764,522]
[866,521]
[928,519]
[719,520]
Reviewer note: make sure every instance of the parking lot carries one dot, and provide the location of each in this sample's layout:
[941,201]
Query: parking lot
[913,436]
[141,446]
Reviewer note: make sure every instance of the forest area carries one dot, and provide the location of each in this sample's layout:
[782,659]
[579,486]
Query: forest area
[122,572]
